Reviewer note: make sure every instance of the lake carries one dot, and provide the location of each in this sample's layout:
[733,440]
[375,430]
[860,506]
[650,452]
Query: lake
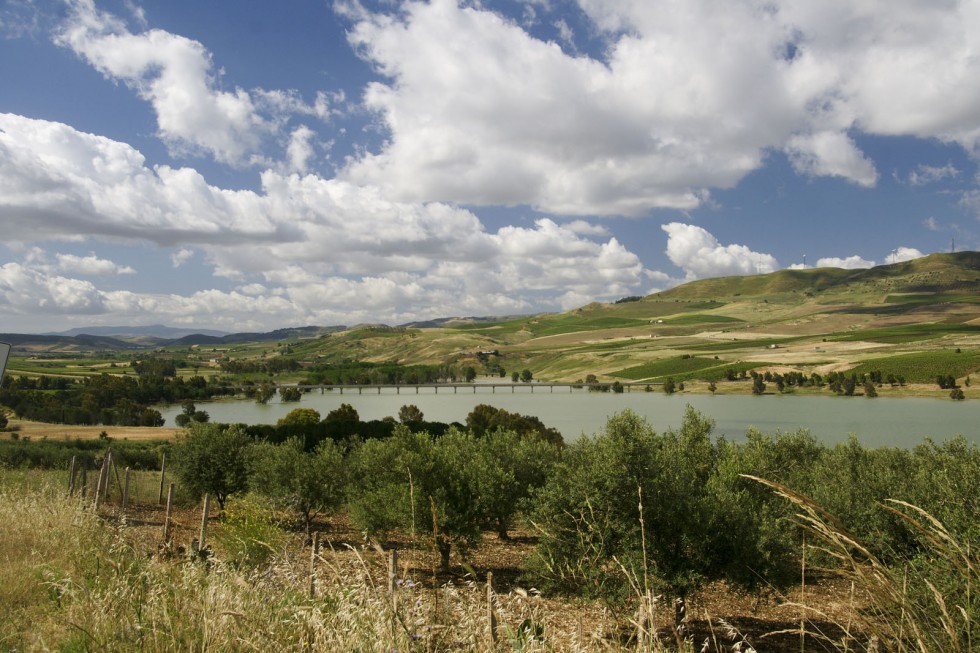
[883,421]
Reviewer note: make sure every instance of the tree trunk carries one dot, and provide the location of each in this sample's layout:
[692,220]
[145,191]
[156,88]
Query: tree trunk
[502,530]
[444,547]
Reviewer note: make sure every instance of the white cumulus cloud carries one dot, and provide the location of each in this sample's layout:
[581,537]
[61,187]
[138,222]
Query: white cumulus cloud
[685,97]
[831,154]
[700,255]
[91,265]
[854,262]
[902,254]
[303,249]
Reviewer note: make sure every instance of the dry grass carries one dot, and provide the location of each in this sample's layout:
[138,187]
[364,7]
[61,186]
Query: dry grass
[42,430]
[925,610]
[77,581]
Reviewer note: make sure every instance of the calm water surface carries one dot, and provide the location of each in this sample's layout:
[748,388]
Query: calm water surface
[876,422]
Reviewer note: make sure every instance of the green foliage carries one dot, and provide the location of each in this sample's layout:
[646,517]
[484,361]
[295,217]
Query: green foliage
[345,413]
[508,468]
[485,418]
[401,480]
[410,413]
[670,367]
[290,394]
[155,367]
[908,332]
[382,374]
[57,454]
[264,393]
[923,367]
[300,417]
[309,483]
[632,506]
[213,459]
[701,318]
[570,323]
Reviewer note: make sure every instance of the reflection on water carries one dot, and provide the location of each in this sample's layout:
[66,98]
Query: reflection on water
[877,422]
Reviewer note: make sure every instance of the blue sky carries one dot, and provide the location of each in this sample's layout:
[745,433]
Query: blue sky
[246,165]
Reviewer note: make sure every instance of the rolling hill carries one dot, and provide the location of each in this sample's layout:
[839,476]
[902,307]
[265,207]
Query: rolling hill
[821,319]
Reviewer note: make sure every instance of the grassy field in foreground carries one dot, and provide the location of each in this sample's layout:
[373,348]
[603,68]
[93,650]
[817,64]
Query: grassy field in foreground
[75,580]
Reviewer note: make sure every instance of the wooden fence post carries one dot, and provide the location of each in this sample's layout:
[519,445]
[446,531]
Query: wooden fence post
[107,469]
[202,540]
[125,492]
[115,471]
[71,478]
[163,471]
[314,552]
[98,486]
[166,520]
[84,481]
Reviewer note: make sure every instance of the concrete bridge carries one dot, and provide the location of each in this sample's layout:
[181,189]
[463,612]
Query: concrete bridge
[489,388]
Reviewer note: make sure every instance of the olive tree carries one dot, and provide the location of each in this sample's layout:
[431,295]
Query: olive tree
[629,507]
[213,459]
[402,480]
[508,468]
[308,482]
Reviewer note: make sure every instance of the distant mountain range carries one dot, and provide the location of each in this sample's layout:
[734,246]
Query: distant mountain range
[153,331]
[148,337]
